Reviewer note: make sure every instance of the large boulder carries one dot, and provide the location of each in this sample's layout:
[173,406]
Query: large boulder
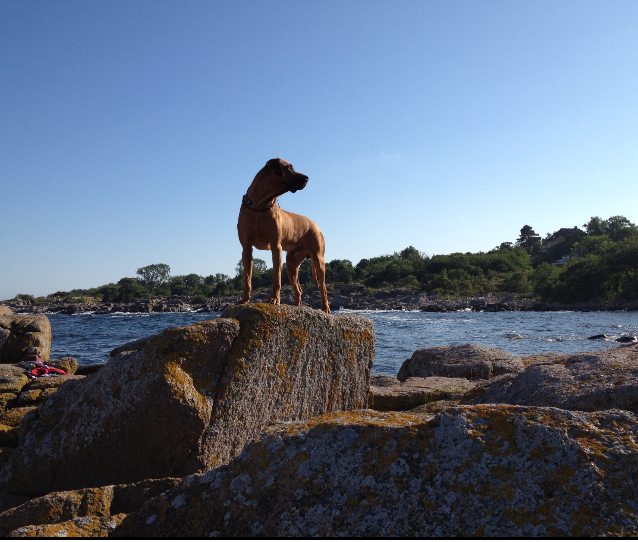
[592,381]
[481,471]
[460,361]
[5,310]
[190,398]
[388,393]
[24,334]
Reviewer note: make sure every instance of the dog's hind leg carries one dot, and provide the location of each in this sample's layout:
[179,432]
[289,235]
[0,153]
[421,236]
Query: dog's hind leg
[319,270]
[276,280]
[293,261]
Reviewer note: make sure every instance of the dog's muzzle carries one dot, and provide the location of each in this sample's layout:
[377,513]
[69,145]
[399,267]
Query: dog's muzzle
[299,183]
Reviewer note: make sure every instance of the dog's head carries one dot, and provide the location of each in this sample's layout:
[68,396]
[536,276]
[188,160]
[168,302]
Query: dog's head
[292,180]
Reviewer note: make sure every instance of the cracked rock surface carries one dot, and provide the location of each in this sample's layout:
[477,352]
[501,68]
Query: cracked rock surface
[468,471]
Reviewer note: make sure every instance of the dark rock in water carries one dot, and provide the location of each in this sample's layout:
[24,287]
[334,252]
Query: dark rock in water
[483,471]
[626,339]
[592,381]
[597,337]
[191,398]
[388,393]
[464,361]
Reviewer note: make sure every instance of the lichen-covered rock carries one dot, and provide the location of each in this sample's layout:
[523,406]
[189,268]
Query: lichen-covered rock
[480,471]
[58,507]
[96,502]
[68,364]
[388,393]
[24,334]
[542,359]
[84,527]
[4,310]
[53,381]
[288,363]
[7,400]
[460,361]
[12,379]
[592,381]
[141,416]
[186,400]
[28,397]
[13,416]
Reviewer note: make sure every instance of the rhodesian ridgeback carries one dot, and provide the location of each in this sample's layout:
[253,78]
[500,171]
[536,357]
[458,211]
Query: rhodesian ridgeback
[264,225]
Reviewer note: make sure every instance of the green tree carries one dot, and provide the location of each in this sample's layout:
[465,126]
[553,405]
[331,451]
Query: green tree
[544,279]
[581,279]
[305,272]
[529,240]
[154,275]
[109,292]
[595,226]
[339,271]
[619,228]
[130,288]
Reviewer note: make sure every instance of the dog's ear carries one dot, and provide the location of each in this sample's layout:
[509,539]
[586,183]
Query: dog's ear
[275,165]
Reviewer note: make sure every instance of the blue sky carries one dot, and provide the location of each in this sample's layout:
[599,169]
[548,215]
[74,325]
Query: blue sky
[129,131]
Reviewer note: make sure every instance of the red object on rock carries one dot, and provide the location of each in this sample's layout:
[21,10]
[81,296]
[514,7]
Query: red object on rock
[41,369]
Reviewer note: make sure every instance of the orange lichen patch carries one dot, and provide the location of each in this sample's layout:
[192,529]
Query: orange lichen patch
[94,527]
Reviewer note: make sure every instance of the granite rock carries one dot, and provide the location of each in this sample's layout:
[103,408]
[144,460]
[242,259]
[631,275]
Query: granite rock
[460,361]
[24,334]
[590,381]
[388,393]
[191,398]
[473,471]
[82,527]
[95,502]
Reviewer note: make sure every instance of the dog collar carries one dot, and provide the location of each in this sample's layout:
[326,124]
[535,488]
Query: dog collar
[258,208]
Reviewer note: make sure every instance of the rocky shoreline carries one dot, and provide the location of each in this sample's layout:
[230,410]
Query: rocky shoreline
[267,422]
[347,296]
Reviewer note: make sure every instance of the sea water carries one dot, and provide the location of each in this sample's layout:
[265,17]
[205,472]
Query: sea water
[89,338]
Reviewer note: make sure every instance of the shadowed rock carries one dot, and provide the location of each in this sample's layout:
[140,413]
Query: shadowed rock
[463,361]
[388,393]
[24,334]
[96,502]
[591,381]
[482,471]
[190,398]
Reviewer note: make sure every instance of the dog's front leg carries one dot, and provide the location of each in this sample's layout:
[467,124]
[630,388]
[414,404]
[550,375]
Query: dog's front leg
[276,278]
[247,261]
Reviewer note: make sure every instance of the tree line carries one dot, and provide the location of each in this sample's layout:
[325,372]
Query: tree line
[572,264]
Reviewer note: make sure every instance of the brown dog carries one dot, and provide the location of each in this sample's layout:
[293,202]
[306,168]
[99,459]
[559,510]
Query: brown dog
[262,224]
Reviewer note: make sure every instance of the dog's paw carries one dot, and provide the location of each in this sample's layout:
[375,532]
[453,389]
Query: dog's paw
[274,301]
[241,303]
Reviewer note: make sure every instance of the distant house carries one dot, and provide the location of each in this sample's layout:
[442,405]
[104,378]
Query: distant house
[563,260]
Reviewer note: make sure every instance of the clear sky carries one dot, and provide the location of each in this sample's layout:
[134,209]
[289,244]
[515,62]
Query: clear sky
[129,131]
